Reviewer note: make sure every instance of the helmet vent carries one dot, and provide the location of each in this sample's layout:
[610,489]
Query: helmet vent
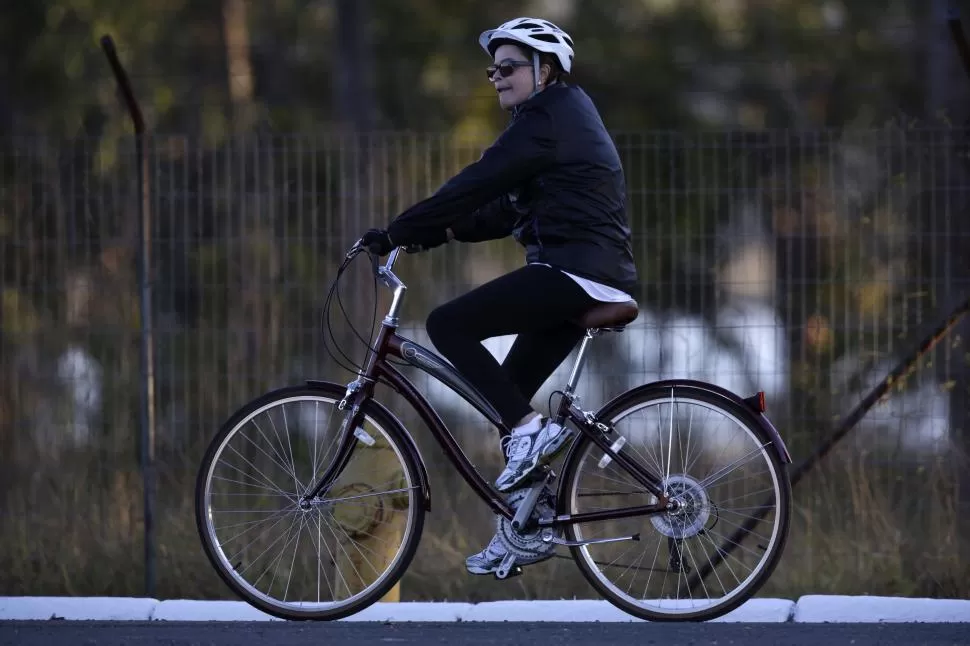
[546,38]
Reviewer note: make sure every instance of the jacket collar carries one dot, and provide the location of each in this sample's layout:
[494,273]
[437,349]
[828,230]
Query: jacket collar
[551,93]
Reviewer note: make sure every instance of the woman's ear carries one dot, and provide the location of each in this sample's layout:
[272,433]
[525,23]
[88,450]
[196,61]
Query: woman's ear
[544,71]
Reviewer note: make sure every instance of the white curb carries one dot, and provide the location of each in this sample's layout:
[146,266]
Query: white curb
[90,608]
[581,610]
[843,609]
[807,609]
[188,610]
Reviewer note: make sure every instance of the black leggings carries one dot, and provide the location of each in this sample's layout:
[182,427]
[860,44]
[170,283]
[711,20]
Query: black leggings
[536,303]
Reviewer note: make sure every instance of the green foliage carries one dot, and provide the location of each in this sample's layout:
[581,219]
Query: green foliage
[671,64]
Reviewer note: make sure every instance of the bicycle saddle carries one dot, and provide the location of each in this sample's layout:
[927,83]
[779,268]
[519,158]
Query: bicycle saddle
[609,315]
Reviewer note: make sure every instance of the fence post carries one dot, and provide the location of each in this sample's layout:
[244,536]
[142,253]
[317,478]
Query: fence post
[147,359]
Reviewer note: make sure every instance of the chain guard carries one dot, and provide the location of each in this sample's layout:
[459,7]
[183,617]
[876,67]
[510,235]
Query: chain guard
[524,545]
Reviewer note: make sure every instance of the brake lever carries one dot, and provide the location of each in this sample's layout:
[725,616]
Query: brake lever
[354,250]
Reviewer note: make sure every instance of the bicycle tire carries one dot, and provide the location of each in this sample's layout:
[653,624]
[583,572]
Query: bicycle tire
[410,459]
[637,398]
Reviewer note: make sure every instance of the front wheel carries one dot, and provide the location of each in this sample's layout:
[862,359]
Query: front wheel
[727,533]
[327,559]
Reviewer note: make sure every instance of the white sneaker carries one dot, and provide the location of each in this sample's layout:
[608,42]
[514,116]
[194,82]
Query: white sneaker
[531,445]
[489,559]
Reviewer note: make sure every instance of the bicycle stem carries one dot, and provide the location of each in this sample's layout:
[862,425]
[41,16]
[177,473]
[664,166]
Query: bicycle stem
[392,258]
[385,274]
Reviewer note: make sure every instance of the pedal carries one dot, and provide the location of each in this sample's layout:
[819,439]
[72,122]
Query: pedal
[508,569]
[514,572]
[549,536]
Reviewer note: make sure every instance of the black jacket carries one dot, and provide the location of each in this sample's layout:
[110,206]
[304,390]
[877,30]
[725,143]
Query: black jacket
[553,179]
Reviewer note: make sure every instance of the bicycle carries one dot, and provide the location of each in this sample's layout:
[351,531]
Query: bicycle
[388,493]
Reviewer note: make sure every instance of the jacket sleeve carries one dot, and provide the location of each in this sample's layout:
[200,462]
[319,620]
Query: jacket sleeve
[523,149]
[495,220]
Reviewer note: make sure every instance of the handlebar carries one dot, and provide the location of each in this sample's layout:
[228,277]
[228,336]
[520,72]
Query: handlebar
[391,258]
[384,274]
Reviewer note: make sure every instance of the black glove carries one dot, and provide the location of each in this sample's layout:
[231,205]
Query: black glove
[377,241]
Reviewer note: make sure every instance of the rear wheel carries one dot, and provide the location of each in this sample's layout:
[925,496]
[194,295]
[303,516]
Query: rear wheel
[716,549]
[333,557]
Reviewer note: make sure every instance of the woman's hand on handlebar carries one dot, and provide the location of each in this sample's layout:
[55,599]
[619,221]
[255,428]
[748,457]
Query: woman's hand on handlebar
[379,242]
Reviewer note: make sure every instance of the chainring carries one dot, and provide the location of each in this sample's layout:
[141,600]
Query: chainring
[524,545]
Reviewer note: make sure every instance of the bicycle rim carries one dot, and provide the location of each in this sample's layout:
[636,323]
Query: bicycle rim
[717,462]
[326,561]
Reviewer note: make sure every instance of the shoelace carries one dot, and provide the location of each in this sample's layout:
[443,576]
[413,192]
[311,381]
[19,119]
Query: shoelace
[515,448]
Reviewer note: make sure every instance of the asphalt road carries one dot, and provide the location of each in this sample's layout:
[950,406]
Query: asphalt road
[130,633]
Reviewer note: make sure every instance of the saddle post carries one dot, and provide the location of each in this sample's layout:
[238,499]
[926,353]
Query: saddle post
[607,316]
[579,363]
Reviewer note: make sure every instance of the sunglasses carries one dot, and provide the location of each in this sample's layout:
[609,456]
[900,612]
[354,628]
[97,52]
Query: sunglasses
[505,69]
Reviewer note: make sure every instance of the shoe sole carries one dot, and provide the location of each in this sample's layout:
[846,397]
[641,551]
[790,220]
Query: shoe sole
[479,570]
[544,457]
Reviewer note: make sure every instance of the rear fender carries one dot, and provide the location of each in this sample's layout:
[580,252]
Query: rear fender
[755,404]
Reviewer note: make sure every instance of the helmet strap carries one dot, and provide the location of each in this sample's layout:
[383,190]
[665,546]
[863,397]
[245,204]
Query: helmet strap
[535,74]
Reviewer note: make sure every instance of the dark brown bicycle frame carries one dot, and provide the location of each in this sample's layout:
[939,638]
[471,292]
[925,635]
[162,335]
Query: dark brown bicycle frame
[379,369]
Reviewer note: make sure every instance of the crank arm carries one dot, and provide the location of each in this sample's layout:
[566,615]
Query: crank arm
[549,537]
[524,511]
[508,568]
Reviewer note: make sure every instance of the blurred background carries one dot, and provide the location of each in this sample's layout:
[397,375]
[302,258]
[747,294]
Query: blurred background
[798,186]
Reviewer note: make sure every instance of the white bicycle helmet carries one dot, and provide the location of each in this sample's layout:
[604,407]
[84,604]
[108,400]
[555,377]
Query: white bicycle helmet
[541,35]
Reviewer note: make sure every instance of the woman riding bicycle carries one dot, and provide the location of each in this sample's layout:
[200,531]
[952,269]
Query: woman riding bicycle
[553,180]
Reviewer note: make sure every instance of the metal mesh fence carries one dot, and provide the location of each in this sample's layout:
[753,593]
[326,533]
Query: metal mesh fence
[796,263]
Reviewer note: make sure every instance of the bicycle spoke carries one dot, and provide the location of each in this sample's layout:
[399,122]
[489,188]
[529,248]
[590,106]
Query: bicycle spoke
[307,560]
[709,460]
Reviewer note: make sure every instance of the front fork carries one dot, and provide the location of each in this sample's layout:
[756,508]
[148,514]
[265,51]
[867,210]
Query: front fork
[349,434]
[358,392]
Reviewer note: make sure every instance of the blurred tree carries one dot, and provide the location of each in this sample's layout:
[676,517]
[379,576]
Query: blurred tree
[240,70]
